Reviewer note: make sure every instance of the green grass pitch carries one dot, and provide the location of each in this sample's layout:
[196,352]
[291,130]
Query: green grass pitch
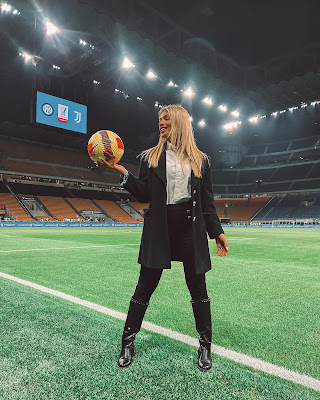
[265,303]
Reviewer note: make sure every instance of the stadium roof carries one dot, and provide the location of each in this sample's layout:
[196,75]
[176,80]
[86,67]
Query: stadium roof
[261,56]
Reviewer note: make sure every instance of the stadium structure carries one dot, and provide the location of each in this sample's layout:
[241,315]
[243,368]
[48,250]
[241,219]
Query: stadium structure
[265,156]
[249,75]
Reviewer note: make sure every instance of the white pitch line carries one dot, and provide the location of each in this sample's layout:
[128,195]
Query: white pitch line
[241,358]
[67,248]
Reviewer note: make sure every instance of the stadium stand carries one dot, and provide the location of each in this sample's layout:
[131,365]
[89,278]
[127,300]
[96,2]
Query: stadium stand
[115,211]
[14,207]
[139,207]
[59,208]
[295,167]
[240,209]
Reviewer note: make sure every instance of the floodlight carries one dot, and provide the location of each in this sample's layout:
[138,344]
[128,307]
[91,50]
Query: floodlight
[303,105]
[151,75]
[263,116]
[172,84]
[189,92]
[25,55]
[56,66]
[190,118]
[253,120]
[207,101]
[139,98]
[202,123]
[222,108]
[274,113]
[5,7]
[127,64]
[82,42]
[235,113]
[51,29]
[231,125]
[96,82]
[15,12]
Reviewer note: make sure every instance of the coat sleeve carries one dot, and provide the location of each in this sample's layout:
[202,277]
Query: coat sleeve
[213,225]
[139,186]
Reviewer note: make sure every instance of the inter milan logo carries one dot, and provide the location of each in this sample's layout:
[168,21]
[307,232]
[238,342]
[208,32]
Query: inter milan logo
[47,109]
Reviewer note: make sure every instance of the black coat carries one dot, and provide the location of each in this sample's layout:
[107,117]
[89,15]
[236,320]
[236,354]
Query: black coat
[150,186]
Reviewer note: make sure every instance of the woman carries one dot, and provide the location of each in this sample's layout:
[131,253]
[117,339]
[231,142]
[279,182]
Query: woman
[175,178]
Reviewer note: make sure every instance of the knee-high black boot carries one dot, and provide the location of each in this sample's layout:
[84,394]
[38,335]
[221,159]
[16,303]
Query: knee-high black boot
[202,316]
[131,328]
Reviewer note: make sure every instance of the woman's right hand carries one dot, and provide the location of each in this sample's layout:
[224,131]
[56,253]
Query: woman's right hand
[111,164]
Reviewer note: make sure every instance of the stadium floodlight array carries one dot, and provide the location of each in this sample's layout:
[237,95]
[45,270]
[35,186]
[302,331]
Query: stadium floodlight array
[51,28]
[55,67]
[223,108]
[25,55]
[188,92]
[253,120]
[231,125]
[127,63]
[151,75]
[202,123]
[84,43]
[208,101]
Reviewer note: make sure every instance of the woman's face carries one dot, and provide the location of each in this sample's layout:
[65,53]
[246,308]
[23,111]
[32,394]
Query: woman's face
[164,124]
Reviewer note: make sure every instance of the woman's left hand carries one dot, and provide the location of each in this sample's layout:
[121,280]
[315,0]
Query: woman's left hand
[222,245]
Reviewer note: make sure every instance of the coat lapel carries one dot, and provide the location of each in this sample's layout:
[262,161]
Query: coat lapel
[161,168]
[194,181]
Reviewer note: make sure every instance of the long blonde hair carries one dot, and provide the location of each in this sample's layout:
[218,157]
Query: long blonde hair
[181,137]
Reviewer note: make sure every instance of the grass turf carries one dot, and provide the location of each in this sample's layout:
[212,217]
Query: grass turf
[53,349]
[265,294]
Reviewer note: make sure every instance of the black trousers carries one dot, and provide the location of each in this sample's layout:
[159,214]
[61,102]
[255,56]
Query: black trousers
[180,237]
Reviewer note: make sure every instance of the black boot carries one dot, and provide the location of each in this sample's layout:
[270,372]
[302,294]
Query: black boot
[202,316]
[131,328]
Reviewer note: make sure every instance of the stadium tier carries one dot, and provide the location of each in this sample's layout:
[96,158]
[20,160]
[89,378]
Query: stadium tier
[33,159]
[14,207]
[291,168]
[114,211]
[239,209]
[59,208]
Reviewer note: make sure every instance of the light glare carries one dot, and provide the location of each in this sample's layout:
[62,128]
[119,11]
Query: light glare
[51,29]
[222,108]
[127,64]
[235,113]
[151,75]
[208,101]
[202,123]
[253,120]
[189,92]
[5,7]
[171,84]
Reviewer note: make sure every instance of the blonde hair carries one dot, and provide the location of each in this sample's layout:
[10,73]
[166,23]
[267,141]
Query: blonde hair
[181,137]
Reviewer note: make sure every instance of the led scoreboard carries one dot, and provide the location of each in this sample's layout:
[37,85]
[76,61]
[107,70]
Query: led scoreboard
[61,113]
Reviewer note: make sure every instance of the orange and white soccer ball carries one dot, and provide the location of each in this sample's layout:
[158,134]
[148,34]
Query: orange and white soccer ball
[106,144]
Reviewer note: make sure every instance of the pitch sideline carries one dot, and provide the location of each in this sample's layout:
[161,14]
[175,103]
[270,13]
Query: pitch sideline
[241,358]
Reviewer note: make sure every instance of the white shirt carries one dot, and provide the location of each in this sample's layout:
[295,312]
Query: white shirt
[178,181]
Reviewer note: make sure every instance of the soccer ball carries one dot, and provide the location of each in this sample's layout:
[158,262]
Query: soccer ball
[106,144]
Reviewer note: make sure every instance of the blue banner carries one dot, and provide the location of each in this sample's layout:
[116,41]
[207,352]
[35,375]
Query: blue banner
[61,113]
[13,224]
